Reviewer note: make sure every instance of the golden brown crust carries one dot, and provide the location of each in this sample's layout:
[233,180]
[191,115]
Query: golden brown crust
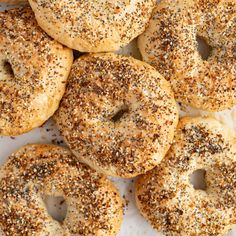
[94,205]
[15,1]
[33,72]
[168,200]
[100,88]
[169,44]
[93,26]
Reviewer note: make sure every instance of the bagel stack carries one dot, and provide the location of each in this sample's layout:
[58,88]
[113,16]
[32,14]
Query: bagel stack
[118,115]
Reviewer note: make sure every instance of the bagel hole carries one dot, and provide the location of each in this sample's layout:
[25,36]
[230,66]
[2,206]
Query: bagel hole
[77,54]
[204,49]
[197,179]
[56,207]
[8,68]
[117,117]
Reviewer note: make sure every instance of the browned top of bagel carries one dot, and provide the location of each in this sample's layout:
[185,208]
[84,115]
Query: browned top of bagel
[33,72]
[93,203]
[165,195]
[118,114]
[15,1]
[93,26]
[170,45]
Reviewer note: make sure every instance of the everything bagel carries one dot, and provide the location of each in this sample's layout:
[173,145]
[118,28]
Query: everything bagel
[170,45]
[93,26]
[118,114]
[33,72]
[168,200]
[93,203]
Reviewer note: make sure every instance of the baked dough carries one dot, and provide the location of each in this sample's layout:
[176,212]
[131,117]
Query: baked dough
[93,203]
[15,1]
[169,44]
[118,114]
[168,200]
[33,72]
[93,26]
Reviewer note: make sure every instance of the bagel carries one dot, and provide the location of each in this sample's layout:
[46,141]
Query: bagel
[93,26]
[33,72]
[93,203]
[165,195]
[170,44]
[118,114]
